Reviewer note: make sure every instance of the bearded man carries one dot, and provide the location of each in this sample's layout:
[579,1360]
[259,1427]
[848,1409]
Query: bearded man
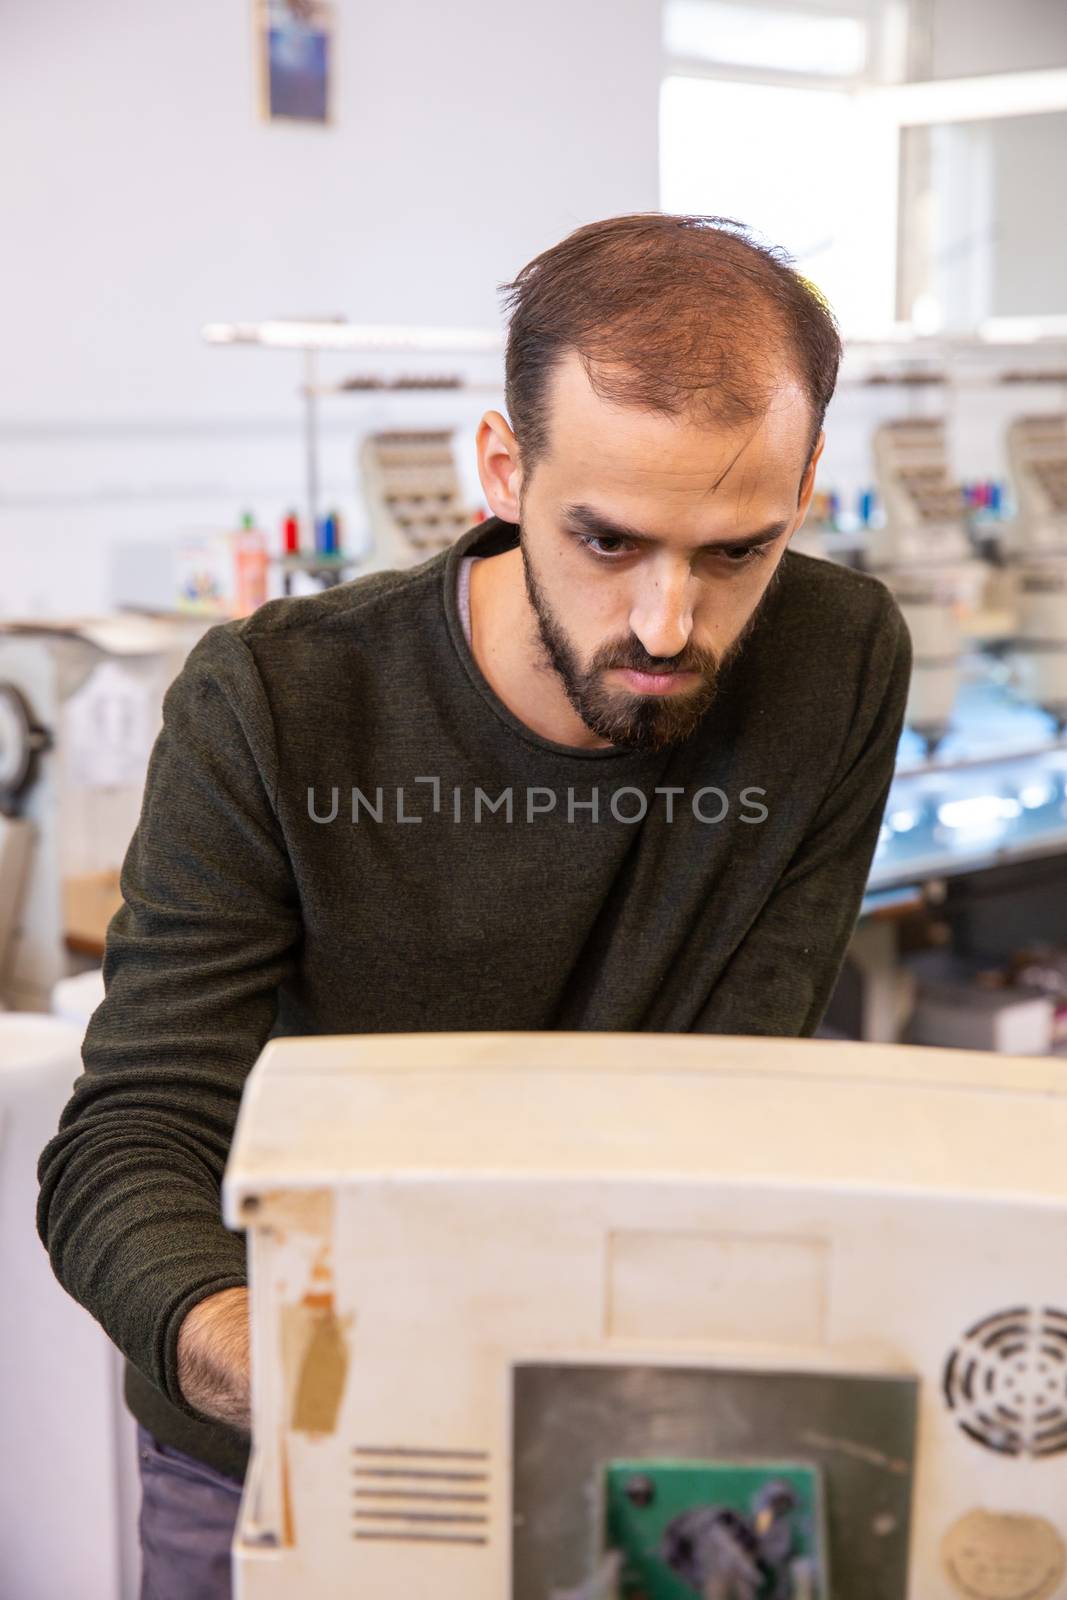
[616,760]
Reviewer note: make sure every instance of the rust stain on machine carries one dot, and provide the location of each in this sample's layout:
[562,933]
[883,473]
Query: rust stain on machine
[315,1339]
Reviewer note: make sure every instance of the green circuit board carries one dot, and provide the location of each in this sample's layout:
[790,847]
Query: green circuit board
[652,1505]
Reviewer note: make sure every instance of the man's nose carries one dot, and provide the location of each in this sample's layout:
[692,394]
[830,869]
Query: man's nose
[662,615]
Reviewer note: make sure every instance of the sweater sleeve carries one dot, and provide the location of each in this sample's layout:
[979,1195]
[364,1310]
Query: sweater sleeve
[129,1202]
[782,977]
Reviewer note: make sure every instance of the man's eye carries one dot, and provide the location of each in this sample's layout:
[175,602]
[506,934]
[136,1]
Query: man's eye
[744,558]
[605,545]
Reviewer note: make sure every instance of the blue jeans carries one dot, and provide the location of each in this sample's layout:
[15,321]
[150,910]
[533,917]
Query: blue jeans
[188,1514]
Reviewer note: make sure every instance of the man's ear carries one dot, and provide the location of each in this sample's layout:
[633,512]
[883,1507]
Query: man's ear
[498,466]
[807,482]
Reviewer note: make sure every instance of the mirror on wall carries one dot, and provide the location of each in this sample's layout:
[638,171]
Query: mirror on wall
[983,227]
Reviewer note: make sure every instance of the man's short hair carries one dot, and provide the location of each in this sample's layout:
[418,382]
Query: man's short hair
[683,315]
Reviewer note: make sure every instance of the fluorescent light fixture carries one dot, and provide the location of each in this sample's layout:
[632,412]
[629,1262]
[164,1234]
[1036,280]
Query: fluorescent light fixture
[282,335]
[1022,330]
[1032,796]
[978,811]
[996,94]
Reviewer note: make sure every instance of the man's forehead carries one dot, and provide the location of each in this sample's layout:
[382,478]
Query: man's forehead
[691,452]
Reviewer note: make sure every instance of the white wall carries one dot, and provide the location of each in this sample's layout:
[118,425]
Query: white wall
[148,198]
[973,36]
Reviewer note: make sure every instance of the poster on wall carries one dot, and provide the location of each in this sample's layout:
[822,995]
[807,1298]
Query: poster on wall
[294,44]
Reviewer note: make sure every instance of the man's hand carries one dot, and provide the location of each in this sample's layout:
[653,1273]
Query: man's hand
[213,1359]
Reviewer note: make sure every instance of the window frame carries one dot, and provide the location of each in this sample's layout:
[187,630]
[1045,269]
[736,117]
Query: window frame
[687,66]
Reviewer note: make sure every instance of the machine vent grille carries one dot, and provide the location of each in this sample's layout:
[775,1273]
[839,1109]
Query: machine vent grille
[1006,1381]
[415,1496]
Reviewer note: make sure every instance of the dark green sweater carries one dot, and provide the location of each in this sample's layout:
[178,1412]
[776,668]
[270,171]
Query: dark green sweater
[244,915]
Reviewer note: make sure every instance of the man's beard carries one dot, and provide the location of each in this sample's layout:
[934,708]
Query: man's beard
[636,721]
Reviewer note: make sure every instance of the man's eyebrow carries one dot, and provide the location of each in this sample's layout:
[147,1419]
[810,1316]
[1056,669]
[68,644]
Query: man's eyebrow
[586,520]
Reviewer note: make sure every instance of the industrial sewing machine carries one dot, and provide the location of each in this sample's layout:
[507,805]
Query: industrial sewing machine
[414,498]
[1037,452]
[924,553]
[80,707]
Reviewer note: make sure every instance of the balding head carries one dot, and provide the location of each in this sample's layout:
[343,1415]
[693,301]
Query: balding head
[676,315]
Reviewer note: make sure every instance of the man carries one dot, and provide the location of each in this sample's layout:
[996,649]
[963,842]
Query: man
[617,761]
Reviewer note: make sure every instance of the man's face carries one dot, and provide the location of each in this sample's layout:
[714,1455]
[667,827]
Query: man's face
[648,543]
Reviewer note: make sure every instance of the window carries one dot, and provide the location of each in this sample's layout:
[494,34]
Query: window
[761,36]
[802,160]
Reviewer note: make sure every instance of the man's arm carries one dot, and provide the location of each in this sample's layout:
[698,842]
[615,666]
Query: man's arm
[129,1204]
[782,977]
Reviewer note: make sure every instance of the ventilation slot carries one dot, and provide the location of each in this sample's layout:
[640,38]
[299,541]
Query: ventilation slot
[413,1496]
[1006,1382]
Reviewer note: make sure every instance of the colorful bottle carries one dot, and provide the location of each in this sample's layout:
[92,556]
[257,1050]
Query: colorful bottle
[250,567]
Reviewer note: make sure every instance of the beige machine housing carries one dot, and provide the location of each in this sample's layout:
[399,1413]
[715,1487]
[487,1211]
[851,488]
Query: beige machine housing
[425,1213]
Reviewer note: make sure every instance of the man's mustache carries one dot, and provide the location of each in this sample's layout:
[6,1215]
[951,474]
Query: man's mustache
[633,657]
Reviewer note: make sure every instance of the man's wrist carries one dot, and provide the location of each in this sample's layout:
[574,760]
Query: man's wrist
[213,1358]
